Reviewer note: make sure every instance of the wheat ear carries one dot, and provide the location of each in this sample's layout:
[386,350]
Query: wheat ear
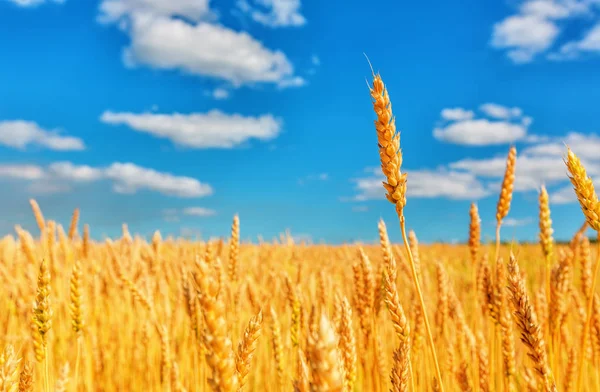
[246,349]
[9,371]
[26,378]
[73,225]
[216,339]
[37,213]
[42,318]
[506,193]
[325,374]
[588,200]
[76,308]
[347,345]
[526,319]
[395,185]
[234,249]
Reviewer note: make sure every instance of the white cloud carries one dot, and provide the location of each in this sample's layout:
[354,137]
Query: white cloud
[566,194]
[504,125]
[113,10]
[360,208]
[590,43]
[442,183]
[125,177]
[563,196]
[526,121]
[535,28]
[545,9]
[129,178]
[530,172]
[184,35]
[480,132]
[457,114]
[21,134]
[200,130]
[500,112]
[77,173]
[26,172]
[296,81]
[198,211]
[512,222]
[220,93]
[541,162]
[315,60]
[274,13]
[585,146]
[34,3]
[426,184]
[205,49]
[525,36]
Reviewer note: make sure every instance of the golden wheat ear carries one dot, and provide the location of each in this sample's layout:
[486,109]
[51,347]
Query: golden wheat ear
[590,206]
[527,322]
[390,156]
[246,349]
[584,189]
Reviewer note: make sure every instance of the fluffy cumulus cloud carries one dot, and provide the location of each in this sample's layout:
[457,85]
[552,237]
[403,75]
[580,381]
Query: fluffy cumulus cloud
[540,161]
[540,158]
[274,13]
[440,183]
[74,173]
[589,43]
[130,178]
[585,145]
[126,178]
[530,173]
[26,172]
[500,112]
[536,27]
[497,125]
[183,35]
[21,134]
[524,36]
[539,164]
[205,49]
[200,130]
[563,195]
[457,114]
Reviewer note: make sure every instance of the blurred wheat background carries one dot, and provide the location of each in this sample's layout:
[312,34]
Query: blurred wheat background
[176,315]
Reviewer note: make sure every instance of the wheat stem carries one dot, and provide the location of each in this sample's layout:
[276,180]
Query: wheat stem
[421,302]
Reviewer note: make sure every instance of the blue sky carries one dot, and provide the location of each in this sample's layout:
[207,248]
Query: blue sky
[177,114]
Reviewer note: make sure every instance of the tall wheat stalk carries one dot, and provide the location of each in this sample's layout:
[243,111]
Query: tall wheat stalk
[588,200]
[390,155]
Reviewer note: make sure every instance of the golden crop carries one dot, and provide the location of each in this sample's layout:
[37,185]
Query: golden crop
[176,315]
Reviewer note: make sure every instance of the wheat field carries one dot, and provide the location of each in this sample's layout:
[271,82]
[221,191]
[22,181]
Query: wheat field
[176,315]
